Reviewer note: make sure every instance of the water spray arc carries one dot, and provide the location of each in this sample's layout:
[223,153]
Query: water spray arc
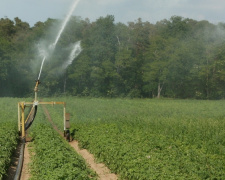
[51,47]
[41,67]
[65,22]
[74,53]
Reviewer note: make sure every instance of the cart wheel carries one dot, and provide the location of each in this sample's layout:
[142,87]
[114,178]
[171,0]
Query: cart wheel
[68,135]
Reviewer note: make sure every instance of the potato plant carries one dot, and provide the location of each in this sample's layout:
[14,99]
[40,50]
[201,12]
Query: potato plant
[8,142]
[54,158]
[8,132]
[152,139]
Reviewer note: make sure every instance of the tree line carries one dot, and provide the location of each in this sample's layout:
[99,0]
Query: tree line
[175,58]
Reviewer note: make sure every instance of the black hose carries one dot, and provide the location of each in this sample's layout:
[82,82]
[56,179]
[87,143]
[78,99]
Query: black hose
[20,162]
[31,118]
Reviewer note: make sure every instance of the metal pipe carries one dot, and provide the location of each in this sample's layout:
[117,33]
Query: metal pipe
[19,117]
[35,96]
[64,112]
[23,123]
[35,90]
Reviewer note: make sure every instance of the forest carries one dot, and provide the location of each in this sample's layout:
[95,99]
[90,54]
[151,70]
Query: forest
[173,58]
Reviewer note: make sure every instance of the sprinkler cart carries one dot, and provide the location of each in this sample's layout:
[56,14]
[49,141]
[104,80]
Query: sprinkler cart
[25,122]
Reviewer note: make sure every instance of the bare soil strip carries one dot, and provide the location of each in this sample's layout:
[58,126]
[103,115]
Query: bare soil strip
[101,170]
[25,174]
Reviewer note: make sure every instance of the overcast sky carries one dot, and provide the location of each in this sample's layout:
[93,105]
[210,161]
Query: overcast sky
[32,11]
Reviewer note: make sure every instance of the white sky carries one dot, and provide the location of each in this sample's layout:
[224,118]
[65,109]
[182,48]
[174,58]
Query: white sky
[32,11]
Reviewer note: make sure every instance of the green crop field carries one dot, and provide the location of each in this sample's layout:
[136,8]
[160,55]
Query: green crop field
[135,138]
[151,139]
[52,157]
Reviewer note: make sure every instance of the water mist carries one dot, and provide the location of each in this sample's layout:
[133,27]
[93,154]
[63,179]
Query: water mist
[51,47]
[74,53]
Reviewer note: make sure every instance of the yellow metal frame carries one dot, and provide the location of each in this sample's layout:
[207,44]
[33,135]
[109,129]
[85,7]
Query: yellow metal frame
[23,105]
[21,117]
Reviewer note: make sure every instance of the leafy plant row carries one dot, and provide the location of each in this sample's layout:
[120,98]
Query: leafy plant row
[57,114]
[136,153]
[153,139]
[8,132]
[8,142]
[54,158]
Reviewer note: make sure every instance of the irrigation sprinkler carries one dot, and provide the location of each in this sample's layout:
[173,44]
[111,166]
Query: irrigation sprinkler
[25,121]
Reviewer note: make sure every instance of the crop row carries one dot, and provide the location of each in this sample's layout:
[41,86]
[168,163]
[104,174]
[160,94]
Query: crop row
[142,154]
[153,139]
[54,158]
[8,132]
[8,142]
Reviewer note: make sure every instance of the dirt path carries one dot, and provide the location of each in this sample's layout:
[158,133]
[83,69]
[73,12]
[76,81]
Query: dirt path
[101,170]
[26,160]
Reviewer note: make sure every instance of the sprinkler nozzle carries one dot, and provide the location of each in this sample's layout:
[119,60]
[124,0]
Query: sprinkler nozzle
[36,85]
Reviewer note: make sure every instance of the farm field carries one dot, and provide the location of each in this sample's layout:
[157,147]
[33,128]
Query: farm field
[135,138]
[150,138]
[52,157]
